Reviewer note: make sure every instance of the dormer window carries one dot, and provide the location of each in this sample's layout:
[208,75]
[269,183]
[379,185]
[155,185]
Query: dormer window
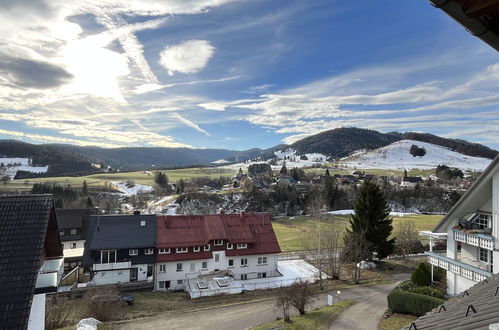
[197,249]
[242,246]
[230,246]
[149,251]
[207,247]
[133,252]
[218,242]
[163,251]
[182,250]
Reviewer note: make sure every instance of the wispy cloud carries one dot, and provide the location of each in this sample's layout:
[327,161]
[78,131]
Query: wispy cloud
[188,57]
[190,124]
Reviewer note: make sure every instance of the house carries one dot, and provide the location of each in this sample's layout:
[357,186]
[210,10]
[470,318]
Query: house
[120,248]
[476,308]
[73,225]
[411,181]
[472,228]
[31,265]
[240,246]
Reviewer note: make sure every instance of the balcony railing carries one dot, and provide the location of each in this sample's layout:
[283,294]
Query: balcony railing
[113,266]
[457,267]
[480,240]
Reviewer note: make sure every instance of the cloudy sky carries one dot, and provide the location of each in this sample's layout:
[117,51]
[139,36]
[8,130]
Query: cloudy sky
[239,74]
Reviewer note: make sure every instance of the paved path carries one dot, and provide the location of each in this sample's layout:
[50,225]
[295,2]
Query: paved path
[372,299]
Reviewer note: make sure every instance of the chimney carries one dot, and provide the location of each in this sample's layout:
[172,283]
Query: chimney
[136,212]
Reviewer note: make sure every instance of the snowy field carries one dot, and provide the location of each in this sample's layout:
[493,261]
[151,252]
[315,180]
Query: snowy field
[396,156]
[22,164]
[348,212]
[132,189]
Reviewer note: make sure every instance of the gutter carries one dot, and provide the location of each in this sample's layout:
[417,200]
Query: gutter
[474,26]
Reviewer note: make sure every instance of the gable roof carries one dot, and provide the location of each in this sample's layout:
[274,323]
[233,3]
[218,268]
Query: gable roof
[412,179]
[74,218]
[482,296]
[198,230]
[121,232]
[472,199]
[24,223]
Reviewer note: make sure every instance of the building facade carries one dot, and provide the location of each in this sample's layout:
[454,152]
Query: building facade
[472,228]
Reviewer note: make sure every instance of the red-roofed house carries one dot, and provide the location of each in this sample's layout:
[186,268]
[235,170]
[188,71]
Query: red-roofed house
[242,245]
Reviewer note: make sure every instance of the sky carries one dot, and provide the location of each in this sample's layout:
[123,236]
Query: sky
[239,74]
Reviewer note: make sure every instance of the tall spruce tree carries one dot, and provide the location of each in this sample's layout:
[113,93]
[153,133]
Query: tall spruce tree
[372,218]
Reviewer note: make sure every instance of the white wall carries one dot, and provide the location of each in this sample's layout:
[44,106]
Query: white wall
[37,313]
[457,284]
[252,269]
[103,277]
[495,210]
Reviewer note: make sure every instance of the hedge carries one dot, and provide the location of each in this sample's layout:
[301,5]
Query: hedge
[412,303]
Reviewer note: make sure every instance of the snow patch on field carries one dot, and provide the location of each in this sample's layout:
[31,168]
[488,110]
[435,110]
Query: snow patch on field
[348,212]
[132,189]
[12,165]
[220,161]
[396,156]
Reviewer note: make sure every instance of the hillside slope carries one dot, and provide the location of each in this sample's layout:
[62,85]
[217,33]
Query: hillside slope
[397,156]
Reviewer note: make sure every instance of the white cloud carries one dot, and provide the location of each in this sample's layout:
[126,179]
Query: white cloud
[191,124]
[188,57]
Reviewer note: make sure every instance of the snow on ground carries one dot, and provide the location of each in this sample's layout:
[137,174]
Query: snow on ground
[220,161]
[348,212]
[162,205]
[12,165]
[131,189]
[291,270]
[396,156]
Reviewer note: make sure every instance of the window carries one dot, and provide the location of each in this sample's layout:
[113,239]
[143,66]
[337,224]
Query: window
[149,251]
[73,246]
[218,242]
[204,265]
[192,267]
[182,250]
[164,251]
[483,255]
[207,247]
[262,260]
[73,231]
[231,262]
[162,268]
[262,275]
[244,262]
[179,267]
[196,249]
[161,284]
[217,257]
[244,277]
[133,252]
[229,246]
[242,246]
[180,281]
[107,256]
[61,232]
[482,221]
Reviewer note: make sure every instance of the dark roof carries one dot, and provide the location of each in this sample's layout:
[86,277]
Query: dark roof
[74,218]
[121,232]
[412,179]
[254,229]
[24,221]
[481,296]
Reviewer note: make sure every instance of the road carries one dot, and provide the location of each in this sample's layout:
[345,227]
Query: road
[363,315]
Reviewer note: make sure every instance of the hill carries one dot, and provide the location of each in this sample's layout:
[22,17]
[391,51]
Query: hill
[396,156]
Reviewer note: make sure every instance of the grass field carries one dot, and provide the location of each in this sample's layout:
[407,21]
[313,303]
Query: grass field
[320,318]
[141,177]
[396,321]
[294,232]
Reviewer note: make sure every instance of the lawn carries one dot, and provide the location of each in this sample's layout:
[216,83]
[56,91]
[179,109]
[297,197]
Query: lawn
[293,232]
[396,321]
[320,318]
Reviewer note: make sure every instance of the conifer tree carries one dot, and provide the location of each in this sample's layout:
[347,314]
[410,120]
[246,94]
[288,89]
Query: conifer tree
[327,172]
[372,218]
[85,188]
[284,170]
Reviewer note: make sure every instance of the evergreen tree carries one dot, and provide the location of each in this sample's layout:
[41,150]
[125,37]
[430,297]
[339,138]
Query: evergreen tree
[180,186]
[372,218]
[327,172]
[284,170]
[85,188]
[90,202]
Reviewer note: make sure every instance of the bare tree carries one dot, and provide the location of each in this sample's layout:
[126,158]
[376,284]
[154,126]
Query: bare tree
[332,246]
[316,207]
[299,295]
[57,312]
[406,238]
[356,249]
[283,304]
[5,179]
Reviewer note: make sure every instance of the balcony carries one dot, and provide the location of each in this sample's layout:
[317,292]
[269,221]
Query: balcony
[113,266]
[457,267]
[481,240]
[49,275]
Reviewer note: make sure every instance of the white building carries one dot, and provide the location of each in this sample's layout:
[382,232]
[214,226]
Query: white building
[472,228]
[225,246]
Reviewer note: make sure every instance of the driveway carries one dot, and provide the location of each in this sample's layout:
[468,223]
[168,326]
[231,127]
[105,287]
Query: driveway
[363,315]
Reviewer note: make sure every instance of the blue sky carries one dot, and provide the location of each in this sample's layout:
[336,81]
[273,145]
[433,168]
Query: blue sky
[239,74]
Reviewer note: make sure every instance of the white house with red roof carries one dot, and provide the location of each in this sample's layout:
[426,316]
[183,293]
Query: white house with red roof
[226,247]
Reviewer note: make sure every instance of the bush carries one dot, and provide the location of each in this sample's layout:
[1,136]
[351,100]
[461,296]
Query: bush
[421,276]
[428,291]
[411,303]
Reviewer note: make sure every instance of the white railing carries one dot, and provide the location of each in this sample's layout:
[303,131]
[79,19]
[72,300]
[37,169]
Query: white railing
[112,266]
[480,240]
[457,267]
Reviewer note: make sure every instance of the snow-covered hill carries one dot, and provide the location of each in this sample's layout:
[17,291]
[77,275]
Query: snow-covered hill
[397,156]
[289,156]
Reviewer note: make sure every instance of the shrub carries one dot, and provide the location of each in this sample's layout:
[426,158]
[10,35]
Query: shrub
[421,276]
[428,291]
[412,303]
